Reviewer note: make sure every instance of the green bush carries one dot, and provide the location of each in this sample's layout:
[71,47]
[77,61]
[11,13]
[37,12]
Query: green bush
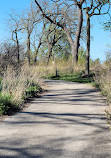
[32,90]
[7,105]
[2,109]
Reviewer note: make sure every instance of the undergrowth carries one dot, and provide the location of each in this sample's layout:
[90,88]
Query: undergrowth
[32,90]
[103,83]
[17,87]
[7,105]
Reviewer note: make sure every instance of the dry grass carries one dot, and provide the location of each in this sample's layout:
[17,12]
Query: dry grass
[16,83]
[103,78]
[63,67]
[103,82]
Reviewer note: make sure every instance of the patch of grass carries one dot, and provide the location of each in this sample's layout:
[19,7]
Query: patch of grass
[32,90]
[7,105]
[75,77]
[97,85]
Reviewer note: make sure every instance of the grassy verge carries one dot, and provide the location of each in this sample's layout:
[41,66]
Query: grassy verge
[75,77]
[16,89]
[9,106]
[103,82]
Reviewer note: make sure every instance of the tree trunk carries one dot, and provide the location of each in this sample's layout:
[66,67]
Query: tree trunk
[75,44]
[88,46]
[78,34]
[40,42]
[18,50]
[73,54]
[28,48]
[71,43]
[49,53]
[35,59]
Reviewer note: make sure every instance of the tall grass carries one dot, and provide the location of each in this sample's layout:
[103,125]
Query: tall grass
[16,86]
[16,83]
[103,80]
[61,66]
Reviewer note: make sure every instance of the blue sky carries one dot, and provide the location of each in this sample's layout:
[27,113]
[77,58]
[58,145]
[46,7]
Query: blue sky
[6,7]
[100,40]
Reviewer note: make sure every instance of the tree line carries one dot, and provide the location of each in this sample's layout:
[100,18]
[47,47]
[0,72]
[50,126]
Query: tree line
[52,29]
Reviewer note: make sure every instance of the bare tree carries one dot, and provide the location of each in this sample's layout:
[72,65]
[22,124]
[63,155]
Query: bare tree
[37,41]
[53,35]
[93,8]
[14,23]
[28,22]
[8,51]
[79,4]
[63,22]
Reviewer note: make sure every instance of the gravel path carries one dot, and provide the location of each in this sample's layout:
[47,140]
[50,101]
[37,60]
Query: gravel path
[68,121]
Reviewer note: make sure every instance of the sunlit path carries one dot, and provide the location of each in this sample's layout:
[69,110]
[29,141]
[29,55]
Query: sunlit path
[68,121]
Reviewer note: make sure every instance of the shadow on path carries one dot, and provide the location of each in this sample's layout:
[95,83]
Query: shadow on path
[54,127]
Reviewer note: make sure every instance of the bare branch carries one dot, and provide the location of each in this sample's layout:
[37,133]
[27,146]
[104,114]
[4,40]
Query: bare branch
[47,17]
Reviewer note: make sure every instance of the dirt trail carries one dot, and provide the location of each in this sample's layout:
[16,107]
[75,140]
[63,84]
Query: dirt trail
[68,121]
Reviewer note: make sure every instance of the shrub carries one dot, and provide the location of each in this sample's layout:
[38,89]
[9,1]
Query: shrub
[32,90]
[7,105]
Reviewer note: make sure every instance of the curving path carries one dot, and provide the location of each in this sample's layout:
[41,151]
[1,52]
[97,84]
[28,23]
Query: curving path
[68,121]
